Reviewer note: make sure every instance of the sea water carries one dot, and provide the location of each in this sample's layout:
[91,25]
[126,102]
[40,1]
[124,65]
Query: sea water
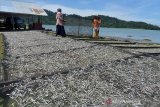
[137,34]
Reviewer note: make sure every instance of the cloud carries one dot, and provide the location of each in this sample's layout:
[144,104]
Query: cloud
[110,10]
[119,13]
[68,10]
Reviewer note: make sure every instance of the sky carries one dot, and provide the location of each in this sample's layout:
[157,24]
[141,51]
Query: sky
[129,10]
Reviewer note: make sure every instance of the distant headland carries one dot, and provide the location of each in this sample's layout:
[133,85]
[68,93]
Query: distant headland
[107,21]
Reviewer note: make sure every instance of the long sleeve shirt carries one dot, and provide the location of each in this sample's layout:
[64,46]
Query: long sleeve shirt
[59,18]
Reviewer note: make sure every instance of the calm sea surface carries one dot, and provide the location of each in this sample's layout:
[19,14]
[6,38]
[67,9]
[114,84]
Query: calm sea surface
[137,34]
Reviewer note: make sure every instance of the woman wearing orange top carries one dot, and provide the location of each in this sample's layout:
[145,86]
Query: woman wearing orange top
[96,26]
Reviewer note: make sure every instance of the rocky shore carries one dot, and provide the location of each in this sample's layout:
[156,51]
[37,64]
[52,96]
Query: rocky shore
[98,75]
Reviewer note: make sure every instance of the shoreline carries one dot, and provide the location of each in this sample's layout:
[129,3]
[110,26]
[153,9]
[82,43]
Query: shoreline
[121,33]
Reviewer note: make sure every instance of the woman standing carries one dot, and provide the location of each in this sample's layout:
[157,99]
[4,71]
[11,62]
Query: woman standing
[60,23]
[96,26]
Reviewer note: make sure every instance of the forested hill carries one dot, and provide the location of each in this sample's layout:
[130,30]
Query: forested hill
[107,21]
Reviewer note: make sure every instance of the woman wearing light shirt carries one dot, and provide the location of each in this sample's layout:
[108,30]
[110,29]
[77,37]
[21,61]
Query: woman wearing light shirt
[59,24]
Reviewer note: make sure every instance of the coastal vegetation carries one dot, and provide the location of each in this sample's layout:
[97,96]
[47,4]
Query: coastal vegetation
[107,21]
[1,56]
[1,47]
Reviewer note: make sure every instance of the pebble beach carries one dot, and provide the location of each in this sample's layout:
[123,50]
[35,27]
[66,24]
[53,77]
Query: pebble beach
[97,75]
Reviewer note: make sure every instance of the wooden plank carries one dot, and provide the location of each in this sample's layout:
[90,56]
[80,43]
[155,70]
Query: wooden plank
[137,47]
[1,56]
[82,38]
[1,46]
[112,42]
